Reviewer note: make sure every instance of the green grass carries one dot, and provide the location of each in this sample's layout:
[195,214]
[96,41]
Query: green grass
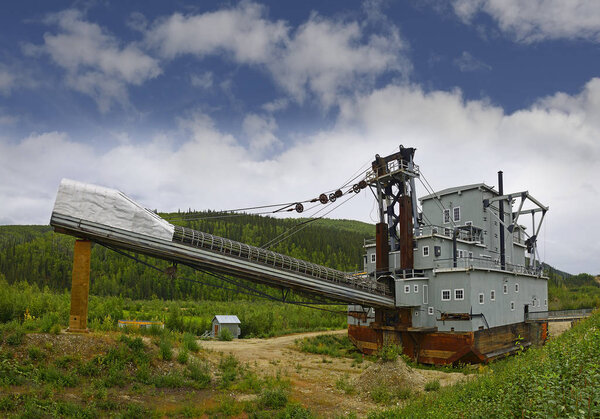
[333,345]
[561,379]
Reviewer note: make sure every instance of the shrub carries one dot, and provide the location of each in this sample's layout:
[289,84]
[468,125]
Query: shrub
[15,335]
[389,352]
[433,385]
[116,377]
[199,373]
[55,376]
[182,356]
[56,329]
[228,368]
[172,379]
[295,411]
[35,353]
[273,398]
[165,350]
[381,394]
[343,383]
[190,342]
[48,321]
[225,334]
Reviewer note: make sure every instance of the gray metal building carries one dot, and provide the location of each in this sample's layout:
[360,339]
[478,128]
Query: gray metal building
[444,285]
[220,322]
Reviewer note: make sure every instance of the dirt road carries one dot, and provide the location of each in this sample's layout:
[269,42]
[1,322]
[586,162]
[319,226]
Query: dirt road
[313,376]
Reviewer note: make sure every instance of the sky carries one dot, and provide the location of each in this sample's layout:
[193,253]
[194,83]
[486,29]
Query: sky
[223,105]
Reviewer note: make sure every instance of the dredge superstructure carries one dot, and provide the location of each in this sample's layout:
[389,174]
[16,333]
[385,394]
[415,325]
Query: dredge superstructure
[453,282]
[464,274]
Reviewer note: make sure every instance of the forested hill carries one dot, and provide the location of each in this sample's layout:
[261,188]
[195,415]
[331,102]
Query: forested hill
[36,254]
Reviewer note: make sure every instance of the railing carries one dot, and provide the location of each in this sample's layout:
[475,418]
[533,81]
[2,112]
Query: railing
[266,257]
[393,167]
[558,315]
[483,263]
[410,273]
[470,234]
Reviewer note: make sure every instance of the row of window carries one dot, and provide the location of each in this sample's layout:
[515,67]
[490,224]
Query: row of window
[429,311]
[460,253]
[455,215]
[459,295]
[407,289]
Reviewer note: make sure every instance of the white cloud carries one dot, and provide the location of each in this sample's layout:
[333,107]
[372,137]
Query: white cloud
[467,62]
[96,63]
[203,80]
[321,57]
[7,80]
[241,31]
[550,149]
[276,105]
[325,57]
[260,132]
[538,20]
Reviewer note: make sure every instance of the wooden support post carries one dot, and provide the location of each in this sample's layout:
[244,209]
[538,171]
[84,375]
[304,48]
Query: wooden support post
[80,286]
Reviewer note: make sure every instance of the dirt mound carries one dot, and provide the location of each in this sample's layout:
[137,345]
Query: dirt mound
[392,374]
[85,346]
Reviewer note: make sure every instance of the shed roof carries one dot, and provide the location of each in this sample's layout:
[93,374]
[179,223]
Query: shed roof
[455,189]
[229,319]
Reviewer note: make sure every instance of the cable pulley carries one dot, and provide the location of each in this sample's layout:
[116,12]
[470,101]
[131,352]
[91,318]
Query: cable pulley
[332,197]
[299,207]
[323,198]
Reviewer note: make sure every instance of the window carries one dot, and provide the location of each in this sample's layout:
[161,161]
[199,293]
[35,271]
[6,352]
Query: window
[425,251]
[416,288]
[416,313]
[468,223]
[425,295]
[512,306]
[373,258]
[447,232]
[459,294]
[493,295]
[481,298]
[517,287]
[470,255]
[445,295]
[407,289]
[545,302]
[437,251]
[456,213]
[446,216]
[505,288]
[430,311]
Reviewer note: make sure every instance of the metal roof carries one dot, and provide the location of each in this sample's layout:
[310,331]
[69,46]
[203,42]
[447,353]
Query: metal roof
[455,189]
[227,319]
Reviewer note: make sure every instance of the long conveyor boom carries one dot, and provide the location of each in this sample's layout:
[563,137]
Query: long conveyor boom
[109,217]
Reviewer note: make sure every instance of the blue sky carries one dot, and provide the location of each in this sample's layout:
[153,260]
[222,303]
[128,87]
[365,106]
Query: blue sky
[229,104]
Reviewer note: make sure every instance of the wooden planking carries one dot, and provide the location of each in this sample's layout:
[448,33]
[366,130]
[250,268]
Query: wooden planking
[449,347]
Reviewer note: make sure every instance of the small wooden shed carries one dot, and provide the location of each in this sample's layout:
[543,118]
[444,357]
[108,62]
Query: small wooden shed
[228,322]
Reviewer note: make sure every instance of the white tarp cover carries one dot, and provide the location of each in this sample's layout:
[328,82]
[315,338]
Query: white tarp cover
[109,207]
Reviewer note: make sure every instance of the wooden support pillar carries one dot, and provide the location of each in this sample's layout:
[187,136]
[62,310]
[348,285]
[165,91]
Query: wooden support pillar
[80,286]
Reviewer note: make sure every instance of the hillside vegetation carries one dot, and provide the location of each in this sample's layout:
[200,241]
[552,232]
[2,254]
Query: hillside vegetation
[35,254]
[558,380]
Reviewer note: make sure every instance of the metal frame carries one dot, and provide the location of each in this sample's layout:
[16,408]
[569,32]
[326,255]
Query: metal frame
[226,256]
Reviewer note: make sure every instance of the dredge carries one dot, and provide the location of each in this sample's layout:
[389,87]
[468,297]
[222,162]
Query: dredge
[454,282]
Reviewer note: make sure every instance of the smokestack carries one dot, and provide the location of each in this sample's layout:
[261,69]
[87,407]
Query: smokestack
[501,210]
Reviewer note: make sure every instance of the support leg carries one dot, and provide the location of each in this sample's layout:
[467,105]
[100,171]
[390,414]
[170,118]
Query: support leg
[80,286]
